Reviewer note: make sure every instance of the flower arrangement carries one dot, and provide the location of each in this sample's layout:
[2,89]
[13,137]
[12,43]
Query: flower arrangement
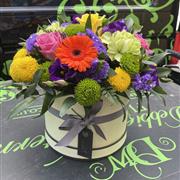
[88,54]
[87,58]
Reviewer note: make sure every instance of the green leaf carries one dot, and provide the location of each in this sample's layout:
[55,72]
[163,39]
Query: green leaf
[48,101]
[129,23]
[6,83]
[48,89]
[102,56]
[68,103]
[111,72]
[30,90]
[88,23]
[22,105]
[37,76]
[163,71]
[19,86]
[158,58]
[148,104]
[165,80]
[20,93]
[123,107]
[136,23]
[159,90]
[124,94]
[6,68]
[139,95]
[149,63]
[110,19]
[61,15]
[137,28]
[160,96]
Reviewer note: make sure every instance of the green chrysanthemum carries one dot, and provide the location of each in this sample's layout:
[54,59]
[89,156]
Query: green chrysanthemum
[45,67]
[119,43]
[87,92]
[130,63]
[73,29]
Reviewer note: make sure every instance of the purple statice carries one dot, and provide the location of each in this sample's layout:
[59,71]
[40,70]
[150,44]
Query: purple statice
[60,71]
[146,81]
[97,42]
[115,26]
[98,71]
[30,42]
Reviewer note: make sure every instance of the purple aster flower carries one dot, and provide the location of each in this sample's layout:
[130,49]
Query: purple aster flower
[115,26]
[60,71]
[74,21]
[98,71]
[30,42]
[97,42]
[65,24]
[146,81]
[102,73]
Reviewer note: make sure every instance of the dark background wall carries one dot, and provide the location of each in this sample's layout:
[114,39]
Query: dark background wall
[18,19]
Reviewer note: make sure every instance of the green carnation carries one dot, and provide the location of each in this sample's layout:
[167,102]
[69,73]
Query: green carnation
[87,92]
[130,63]
[119,43]
[45,66]
[73,29]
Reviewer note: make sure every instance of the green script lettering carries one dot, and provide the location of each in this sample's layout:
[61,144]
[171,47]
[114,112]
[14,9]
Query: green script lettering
[27,143]
[133,157]
[118,164]
[157,152]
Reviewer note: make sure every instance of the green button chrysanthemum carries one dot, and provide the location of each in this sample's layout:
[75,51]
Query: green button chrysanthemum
[130,63]
[87,92]
[45,66]
[119,43]
[73,29]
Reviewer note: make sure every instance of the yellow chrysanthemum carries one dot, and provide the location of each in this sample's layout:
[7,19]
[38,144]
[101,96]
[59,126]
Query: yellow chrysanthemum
[21,53]
[22,69]
[120,81]
[96,20]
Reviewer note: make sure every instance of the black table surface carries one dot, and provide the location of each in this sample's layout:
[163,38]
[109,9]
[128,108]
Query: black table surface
[151,150]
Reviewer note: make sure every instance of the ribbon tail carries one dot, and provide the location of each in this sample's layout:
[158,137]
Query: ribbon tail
[66,140]
[99,131]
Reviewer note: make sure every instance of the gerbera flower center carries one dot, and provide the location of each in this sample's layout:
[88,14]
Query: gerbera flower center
[76,52]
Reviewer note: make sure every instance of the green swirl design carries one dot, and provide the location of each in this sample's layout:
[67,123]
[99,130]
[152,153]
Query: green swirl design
[145,4]
[174,113]
[168,143]
[142,174]
[168,29]
[7,94]
[99,169]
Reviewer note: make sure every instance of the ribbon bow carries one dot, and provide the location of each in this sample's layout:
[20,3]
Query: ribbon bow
[75,124]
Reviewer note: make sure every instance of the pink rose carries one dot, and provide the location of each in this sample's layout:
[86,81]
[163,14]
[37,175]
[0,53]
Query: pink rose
[144,43]
[48,44]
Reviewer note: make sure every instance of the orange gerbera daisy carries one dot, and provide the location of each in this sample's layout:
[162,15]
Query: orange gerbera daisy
[77,52]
